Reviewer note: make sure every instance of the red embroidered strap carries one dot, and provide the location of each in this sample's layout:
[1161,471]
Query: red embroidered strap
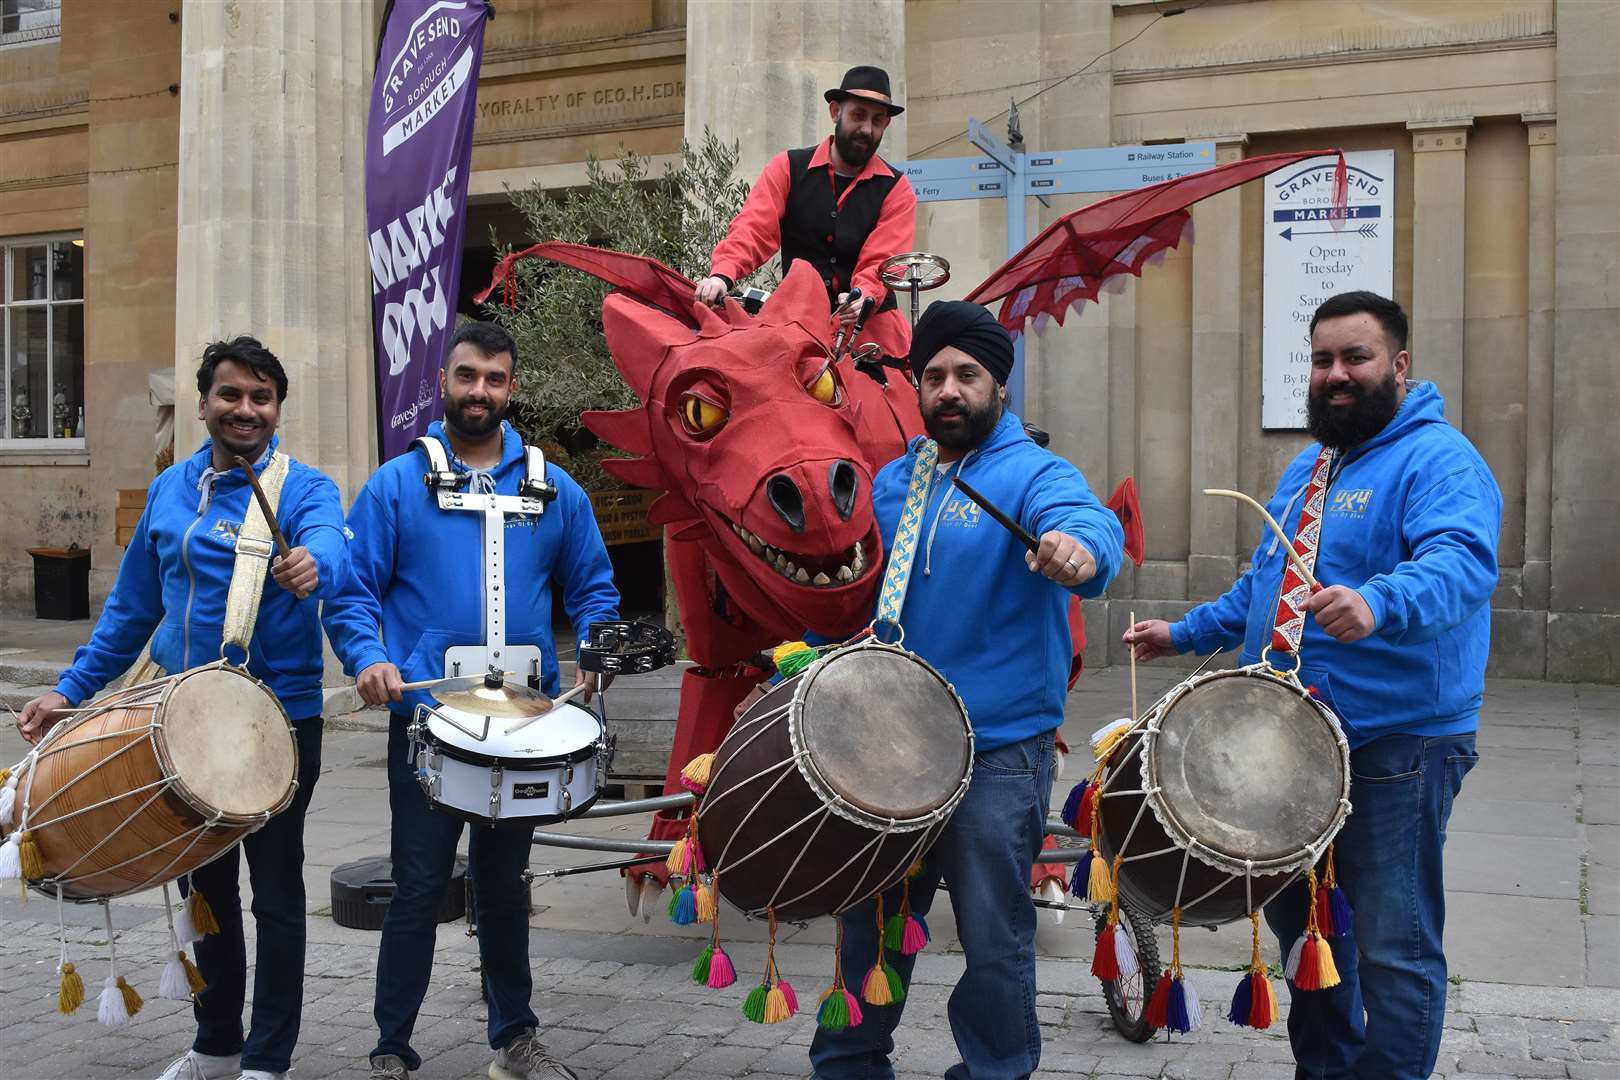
[1290,622]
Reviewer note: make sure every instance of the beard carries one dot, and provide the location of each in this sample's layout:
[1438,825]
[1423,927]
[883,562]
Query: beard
[1341,427]
[966,431]
[455,416]
[854,149]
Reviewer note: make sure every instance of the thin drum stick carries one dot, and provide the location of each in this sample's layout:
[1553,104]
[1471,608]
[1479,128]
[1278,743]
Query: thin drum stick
[558,700]
[1288,545]
[1134,713]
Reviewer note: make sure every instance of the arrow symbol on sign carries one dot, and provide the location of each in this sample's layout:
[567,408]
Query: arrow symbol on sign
[1370,229]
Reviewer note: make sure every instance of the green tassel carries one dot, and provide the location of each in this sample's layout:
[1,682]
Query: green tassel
[894,932]
[700,970]
[897,991]
[834,1014]
[754,1005]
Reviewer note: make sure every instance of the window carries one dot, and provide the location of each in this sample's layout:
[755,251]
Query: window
[43,336]
[28,22]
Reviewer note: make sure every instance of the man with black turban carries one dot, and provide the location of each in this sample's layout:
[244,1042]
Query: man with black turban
[992,617]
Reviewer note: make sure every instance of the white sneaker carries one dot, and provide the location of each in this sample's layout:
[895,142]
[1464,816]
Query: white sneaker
[195,1066]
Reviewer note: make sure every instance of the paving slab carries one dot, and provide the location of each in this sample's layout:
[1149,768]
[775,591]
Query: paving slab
[1515,939]
[1513,865]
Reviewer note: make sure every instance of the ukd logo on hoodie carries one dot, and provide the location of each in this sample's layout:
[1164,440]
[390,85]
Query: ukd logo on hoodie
[1354,503]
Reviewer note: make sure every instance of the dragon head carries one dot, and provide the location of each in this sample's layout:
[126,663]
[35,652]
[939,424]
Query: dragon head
[763,445]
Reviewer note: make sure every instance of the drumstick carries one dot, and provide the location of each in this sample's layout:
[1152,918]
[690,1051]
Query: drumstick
[1288,545]
[425,683]
[990,508]
[558,700]
[264,505]
[1133,675]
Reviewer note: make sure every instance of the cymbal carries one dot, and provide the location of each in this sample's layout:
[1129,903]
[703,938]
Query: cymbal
[486,695]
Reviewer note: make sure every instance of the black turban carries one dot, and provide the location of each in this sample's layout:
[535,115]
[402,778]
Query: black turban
[968,327]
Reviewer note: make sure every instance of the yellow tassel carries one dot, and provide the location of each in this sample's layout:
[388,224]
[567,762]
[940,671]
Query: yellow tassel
[776,1009]
[1099,882]
[914,871]
[787,649]
[202,917]
[132,1000]
[698,769]
[707,908]
[1327,972]
[70,995]
[1109,741]
[875,991]
[676,863]
[33,863]
[194,977]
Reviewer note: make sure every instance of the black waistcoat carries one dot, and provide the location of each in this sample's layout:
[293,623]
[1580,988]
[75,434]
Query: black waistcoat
[829,236]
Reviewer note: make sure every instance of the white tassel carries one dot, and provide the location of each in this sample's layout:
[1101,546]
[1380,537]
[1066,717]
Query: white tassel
[185,931]
[651,889]
[1195,1011]
[1052,891]
[11,859]
[1102,733]
[172,983]
[1125,953]
[8,801]
[1293,959]
[110,1009]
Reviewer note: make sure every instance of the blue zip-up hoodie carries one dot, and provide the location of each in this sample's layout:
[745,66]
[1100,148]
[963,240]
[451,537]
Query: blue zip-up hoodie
[418,582]
[176,574]
[973,609]
[1411,522]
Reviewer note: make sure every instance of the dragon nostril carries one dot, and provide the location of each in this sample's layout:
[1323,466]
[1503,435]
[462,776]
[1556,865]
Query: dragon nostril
[783,495]
[845,484]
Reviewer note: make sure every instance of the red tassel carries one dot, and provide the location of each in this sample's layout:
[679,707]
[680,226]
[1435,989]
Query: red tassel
[1324,913]
[1104,962]
[1306,977]
[1088,804]
[1157,1013]
[1262,1003]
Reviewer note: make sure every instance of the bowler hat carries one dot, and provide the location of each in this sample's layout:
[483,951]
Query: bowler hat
[869,83]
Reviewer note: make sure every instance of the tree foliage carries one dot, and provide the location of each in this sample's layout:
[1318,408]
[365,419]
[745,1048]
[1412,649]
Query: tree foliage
[555,313]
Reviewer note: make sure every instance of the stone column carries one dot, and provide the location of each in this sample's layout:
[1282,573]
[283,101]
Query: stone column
[1217,381]
[1439,150]
[1542,134]
[755,72]
[1583,628]
[271,212]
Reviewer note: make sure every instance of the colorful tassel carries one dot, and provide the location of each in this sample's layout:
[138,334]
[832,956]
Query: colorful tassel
[916,938]
[1263,1011]
[700,967]
[683,905]
[1174,1005]
[721,972]
[1311,959]
[780,1003]
[676,863]
[1071,805]
[1254,1002]
[1099,883]
[792,657]
[708,908]
[894,932]
[1333,916]
[70,994]
[10,860]
[754,1004]
[1242,1006]
[31,862]
[914,871]
[876,990]
[839,1010]
[1157,1013]
[695,777]
[773,1000]
[1082,872]
[1105,960]
[202,916]
[1105,739]
[8,798]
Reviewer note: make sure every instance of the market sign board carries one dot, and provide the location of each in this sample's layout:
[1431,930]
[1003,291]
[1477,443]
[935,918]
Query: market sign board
[1310,255]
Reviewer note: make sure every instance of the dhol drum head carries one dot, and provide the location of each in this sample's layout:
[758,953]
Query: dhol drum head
[1243,766]
[226,738]
[905,766]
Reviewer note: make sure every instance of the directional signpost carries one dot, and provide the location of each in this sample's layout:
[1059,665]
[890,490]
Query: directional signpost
[1014,175]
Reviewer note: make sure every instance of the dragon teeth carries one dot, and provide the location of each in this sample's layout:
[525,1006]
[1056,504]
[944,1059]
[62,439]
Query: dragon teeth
[845,574]
[801,577]
[821,579]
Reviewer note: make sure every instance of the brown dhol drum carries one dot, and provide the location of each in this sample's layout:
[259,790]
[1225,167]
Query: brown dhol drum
[155,780]
[830,786]
[1229,788]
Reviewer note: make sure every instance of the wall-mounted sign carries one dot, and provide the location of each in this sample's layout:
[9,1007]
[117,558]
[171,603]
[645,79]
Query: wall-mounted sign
[1309,256]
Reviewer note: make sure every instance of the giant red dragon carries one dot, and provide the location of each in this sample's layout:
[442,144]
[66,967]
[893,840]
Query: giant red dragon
[765,444]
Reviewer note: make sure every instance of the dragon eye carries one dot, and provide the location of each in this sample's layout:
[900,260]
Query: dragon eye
[701,417]
[825,387]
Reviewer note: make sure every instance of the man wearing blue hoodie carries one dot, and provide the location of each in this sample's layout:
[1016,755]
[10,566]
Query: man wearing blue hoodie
[171,588]
[993,618]
[418,590]
[1395,643]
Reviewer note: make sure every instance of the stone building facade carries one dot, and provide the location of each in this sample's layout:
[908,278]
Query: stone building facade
[233,201]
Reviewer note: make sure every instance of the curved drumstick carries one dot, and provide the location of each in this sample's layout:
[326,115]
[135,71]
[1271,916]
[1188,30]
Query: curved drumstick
[1288,545]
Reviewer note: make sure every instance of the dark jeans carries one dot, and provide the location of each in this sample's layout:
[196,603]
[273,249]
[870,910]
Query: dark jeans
[984,855]
[423,848]
[275,858]
[1383,1021]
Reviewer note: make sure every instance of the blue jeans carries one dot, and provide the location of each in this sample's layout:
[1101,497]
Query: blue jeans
[422,845]
[984,855]
[275,858]
[1384,1018]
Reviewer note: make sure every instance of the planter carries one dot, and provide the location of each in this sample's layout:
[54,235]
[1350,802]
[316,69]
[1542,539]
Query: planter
[61,583]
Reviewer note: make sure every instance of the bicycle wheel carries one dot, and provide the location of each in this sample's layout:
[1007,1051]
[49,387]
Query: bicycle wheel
[1127,998]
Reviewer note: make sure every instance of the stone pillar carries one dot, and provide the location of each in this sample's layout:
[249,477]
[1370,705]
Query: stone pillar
[1583,628]
[271,212]
[1217,382]
[755,72]
[1542,133]
[1439,149]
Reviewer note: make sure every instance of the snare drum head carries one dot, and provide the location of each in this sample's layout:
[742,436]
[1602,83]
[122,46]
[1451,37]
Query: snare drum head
[885,731]
[227,739]
[1249,767]
[564,731]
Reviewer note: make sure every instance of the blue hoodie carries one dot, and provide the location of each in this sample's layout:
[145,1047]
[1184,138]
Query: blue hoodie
[418,583]
[1411,522]
[973,609]
[177,571]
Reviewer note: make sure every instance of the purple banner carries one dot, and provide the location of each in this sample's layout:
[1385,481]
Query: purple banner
[418,149]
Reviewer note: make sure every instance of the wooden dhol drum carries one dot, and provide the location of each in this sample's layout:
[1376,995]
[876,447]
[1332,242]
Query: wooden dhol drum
[151,782]
[831,785]
[1229,788]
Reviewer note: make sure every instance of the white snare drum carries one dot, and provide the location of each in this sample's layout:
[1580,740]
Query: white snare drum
[472,767]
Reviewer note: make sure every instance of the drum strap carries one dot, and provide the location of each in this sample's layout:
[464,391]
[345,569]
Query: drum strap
[892,596]
[253,551]
[1289,625]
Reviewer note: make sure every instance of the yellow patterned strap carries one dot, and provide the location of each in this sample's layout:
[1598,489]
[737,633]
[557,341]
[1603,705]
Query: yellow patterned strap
[253,551]
[892,596]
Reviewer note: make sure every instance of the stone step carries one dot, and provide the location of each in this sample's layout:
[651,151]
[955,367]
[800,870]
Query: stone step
[28,672]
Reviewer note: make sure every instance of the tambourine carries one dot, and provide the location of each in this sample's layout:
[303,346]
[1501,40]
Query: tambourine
[626,647]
